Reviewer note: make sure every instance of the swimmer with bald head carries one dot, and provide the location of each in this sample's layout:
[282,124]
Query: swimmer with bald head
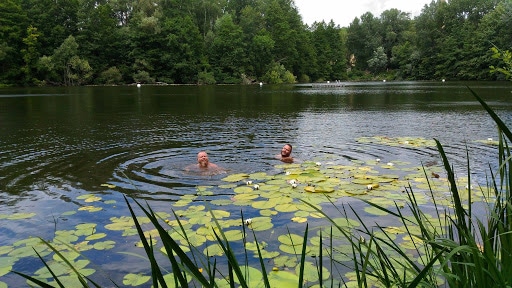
[204,166]
[203,162]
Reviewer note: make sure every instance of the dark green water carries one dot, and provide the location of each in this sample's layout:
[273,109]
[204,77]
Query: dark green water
[59,143]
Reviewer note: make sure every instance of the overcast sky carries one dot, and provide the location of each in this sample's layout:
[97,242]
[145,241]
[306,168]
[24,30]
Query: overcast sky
[344,11]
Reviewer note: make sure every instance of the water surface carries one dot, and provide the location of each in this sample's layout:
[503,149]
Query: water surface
[59,143]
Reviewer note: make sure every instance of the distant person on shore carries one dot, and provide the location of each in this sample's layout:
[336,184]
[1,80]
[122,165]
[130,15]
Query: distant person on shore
[286,154]
[204,165]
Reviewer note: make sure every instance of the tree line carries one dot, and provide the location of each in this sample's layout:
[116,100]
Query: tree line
[81,42]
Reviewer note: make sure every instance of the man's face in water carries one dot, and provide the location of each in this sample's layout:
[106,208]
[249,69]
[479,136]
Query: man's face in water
[286,151]
[202,159]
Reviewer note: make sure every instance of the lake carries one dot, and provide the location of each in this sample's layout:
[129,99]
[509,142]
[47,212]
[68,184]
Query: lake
[59,146]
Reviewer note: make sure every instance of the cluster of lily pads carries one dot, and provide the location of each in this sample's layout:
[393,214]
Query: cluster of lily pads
[295,195]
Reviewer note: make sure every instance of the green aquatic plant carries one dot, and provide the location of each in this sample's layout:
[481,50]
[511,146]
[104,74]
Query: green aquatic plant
[457,247]
[428,246]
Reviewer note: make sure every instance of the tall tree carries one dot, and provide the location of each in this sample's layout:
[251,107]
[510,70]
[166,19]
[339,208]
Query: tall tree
[13,21]
[394,25]
[363,38]
[182,53]
[55,20]
[330,55]
[284,23]
[30,56]
[64,66]
[227,50]
[99,36]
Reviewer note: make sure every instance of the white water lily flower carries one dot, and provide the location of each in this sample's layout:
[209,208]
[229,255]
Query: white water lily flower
[390,164]
[294,185]
[256,186]
[318,164]
[248,182]
[287,173]
[293,181]
[489,139]
[378,160]
[248,221]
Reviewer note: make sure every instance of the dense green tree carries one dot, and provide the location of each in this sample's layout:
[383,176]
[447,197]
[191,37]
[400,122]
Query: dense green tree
[13,23]
[307,66]
[206,13]
[234,41]
[330,56]
[55,21]
[284,23]
[146,41]
[363,38]
[183,51]
[379,60]
[261,45]
[99,38]
[430,30]
[227,51]
[30,56]
[394,26]
[64,66]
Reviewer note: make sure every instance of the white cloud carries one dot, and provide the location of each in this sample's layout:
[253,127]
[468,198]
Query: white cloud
[344,12]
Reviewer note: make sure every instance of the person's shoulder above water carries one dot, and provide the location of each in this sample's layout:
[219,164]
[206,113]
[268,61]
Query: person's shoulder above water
[286,154]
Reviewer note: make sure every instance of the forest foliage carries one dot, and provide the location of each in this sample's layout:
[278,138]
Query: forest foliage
[82,42]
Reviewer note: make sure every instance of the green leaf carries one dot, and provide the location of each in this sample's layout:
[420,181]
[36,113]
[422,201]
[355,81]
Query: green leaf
[135,279]
[235,177]
[105,245]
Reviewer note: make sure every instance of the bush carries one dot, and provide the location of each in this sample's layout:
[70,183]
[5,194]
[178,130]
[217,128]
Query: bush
[143,77]
[205,78]
[111,76]
[278,74]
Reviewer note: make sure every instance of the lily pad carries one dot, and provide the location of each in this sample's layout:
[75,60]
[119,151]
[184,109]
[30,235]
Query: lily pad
[105,245]
[261,223]
[259,176]
[375,211]
[19,216]
[285,261]
[283,279]
[263,204]
[234,235]
[286,207]
[213,250]
[235,177]
[90,208]
[253,276]
[294,250]
[110,186]
[299,219]
[291,239]
[96,236]
[243,189]
[135,279]
[311,272]
[268,212]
